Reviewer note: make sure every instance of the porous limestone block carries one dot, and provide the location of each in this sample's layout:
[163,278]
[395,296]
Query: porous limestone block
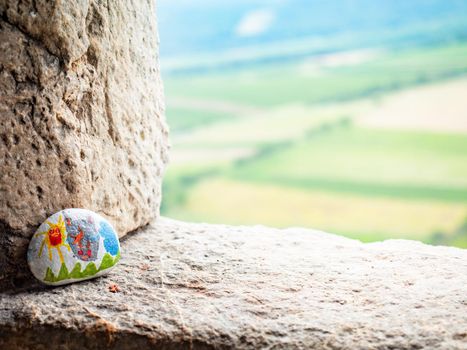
[81,116]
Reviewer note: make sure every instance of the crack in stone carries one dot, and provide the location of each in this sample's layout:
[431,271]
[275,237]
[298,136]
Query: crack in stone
[108,113]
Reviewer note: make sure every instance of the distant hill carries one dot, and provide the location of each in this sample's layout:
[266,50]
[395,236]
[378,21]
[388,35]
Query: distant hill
[206,33]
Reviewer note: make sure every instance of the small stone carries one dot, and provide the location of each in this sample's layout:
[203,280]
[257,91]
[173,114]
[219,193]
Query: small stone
[114,288]
[73,245]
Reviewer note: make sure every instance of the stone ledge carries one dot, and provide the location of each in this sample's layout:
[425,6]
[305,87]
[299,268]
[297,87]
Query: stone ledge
[201,286]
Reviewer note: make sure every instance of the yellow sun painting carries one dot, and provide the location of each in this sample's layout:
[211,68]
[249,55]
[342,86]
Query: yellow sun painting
[54,238]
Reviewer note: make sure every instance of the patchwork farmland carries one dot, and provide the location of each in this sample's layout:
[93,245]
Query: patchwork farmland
[372,148]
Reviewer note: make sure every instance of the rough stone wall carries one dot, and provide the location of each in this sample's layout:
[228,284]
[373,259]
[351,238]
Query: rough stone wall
[81,115]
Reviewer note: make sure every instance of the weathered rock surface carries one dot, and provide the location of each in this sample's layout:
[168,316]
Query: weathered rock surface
[204,286]
[81,115]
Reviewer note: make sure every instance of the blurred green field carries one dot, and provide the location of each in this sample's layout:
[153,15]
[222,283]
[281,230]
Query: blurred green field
[342,158]
[186,119]
[284,145]
[274,85]
[357,216]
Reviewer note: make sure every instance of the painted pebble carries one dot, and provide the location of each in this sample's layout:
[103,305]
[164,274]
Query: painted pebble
[73,245]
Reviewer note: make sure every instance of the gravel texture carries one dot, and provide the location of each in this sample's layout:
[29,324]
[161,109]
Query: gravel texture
[182,285]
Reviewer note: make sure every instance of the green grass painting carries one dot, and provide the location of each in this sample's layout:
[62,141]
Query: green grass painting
[76,273]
